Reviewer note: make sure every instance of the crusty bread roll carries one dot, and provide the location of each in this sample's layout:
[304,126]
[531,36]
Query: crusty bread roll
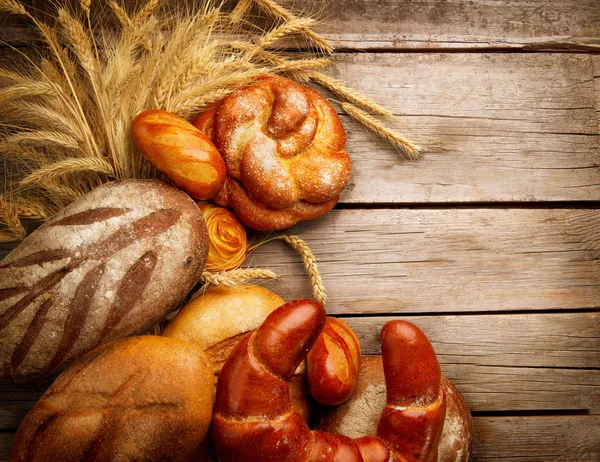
[221,317]
[218,320]
[112,263]
[360,415]
[142,398]
[284,149]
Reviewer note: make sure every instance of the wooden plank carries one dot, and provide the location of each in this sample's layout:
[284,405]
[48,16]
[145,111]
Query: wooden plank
[479,24]
[596,72]
[444,261]
[536,439]
[437,24]
[499,363]
[501,127]
[536,340]
[6,442]
[512,127]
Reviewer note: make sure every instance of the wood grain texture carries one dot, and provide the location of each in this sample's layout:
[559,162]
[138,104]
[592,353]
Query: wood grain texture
[429,24]
[500,127]
[536,340]
[447,260]
[536,439]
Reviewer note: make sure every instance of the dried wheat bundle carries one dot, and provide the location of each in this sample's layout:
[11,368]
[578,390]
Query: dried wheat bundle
[66,112]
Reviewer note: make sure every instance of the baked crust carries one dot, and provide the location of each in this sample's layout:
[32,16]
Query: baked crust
[284,149]
[359,416]
[113,263]
[141,398]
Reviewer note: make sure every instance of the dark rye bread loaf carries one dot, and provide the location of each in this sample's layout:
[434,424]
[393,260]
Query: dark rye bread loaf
[111,264]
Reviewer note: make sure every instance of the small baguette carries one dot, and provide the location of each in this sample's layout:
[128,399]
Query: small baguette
[111,264]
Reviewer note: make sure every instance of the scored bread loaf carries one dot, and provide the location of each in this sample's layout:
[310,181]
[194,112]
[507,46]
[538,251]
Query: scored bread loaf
[144,398]
[111,264]
[360,415]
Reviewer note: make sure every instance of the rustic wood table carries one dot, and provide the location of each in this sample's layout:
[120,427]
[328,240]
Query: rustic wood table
[491,241]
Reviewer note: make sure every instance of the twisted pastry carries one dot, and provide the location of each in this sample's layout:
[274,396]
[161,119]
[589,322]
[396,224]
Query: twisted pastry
[284,149]
[253,418]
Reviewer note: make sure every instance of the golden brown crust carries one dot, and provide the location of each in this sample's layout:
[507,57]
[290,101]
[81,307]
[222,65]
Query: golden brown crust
[221,313]
[111,264]
[141,398]
[178,149]
[360,415]
[283,145]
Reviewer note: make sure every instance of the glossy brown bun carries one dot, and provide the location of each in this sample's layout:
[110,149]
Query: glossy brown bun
[360,415]
[141,398]
[284,149]
[218,320]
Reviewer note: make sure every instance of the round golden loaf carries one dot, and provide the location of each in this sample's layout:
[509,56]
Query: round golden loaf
[219,318]
[142,398]
[284,150]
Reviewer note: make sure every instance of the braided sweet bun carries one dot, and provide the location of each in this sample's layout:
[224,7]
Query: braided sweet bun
[359,416]
[284,149]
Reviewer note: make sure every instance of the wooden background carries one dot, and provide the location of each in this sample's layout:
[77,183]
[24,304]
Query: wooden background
[490,242]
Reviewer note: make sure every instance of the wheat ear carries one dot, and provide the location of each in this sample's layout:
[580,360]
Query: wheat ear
[278,12]
[374,126]
[235,277]
[14,227]
[308,259]
[352,96]
[67,167]
[26,90]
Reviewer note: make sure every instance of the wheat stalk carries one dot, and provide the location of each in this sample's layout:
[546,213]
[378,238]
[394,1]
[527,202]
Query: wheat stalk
[390,137]
[278,12]
[290,27]
[352,96]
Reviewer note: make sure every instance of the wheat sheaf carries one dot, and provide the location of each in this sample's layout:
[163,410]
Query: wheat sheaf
[66,108]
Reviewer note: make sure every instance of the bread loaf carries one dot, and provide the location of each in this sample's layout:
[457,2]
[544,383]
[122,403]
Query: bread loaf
[178,149]
[254,420]
[360,415]
[112,263]
[333,363]
[284,148]
[142,398]
[218,319]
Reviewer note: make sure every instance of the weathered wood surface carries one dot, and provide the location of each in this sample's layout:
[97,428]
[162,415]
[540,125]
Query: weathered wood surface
[508,293]
[535,439]
[538,25]
[496,127]
[512,127]
[500,363]
[446,260]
